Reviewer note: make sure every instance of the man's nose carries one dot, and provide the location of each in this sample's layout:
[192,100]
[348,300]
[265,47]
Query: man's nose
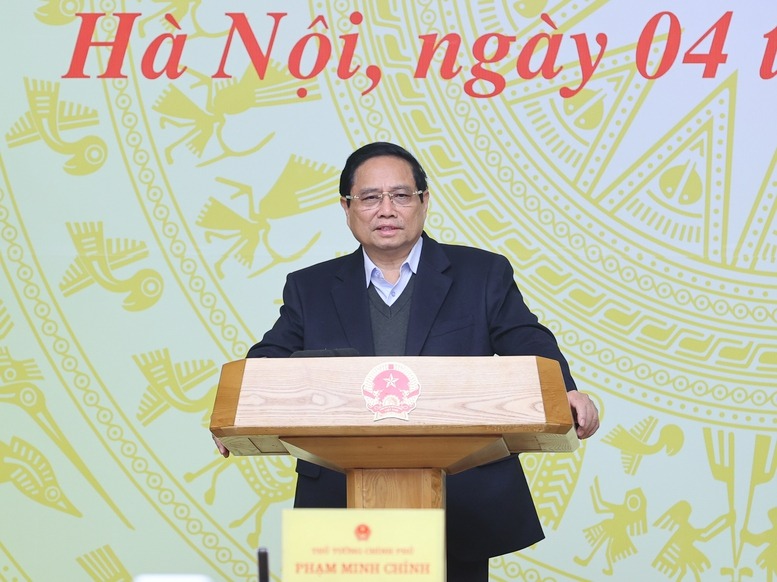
[386,205]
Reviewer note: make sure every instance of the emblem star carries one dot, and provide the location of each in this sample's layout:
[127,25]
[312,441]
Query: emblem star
[391,381]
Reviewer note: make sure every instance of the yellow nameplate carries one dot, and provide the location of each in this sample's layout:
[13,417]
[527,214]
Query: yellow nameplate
[367,545]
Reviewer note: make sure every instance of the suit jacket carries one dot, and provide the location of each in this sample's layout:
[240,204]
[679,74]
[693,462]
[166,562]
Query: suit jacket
[465,303]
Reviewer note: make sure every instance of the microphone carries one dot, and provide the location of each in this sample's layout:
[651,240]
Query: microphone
[325,353]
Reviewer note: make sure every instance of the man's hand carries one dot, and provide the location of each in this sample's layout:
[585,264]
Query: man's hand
[584,412]
[222,449]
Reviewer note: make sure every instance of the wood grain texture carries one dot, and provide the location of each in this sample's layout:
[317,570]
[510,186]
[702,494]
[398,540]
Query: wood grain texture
[470,410]
[395,488]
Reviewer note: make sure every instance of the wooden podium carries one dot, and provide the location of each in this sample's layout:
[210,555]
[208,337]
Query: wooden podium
[394,425]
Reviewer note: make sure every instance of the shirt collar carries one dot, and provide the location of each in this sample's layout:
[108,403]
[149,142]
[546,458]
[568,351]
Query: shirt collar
[411,261]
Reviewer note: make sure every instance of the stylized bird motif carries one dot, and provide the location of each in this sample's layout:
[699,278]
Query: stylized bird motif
[301,187]
[633,443]
[30,472]
[18,388]
[97,260]
[220,221]
[57,12]
[12,370]
[175,105]
[48,117]
[170,383]
[225,99]
[271,479]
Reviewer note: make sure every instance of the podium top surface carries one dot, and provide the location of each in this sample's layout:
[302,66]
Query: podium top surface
[269,405]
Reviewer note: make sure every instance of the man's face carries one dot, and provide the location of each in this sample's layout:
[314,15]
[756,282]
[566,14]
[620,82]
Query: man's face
[387,232]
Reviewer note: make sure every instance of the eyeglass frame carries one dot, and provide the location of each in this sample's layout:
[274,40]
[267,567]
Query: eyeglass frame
[386,193]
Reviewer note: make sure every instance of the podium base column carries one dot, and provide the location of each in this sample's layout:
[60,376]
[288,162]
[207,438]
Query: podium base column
[396,488]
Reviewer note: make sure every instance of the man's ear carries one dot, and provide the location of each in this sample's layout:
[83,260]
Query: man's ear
[346,208]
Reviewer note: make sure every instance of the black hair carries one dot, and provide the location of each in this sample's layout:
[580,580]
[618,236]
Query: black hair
[373,150]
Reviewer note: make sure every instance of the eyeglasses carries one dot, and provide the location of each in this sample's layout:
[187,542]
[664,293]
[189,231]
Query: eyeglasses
[399,197]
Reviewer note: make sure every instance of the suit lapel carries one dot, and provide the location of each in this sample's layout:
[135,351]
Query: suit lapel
[352,304]
[431,288]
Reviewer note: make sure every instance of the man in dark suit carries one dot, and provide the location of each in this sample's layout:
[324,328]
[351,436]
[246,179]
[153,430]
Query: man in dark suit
[402,293]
